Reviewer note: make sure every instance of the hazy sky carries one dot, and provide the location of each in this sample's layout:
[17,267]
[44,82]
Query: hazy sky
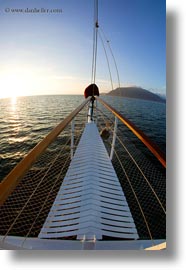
[51,53]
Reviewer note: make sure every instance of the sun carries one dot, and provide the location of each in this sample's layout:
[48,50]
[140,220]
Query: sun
[12,84]
[16,82]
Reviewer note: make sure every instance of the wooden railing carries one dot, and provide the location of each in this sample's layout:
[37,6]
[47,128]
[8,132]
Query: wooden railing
[136,131]
[13,178]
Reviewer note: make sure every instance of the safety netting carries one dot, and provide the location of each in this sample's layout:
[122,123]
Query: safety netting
[141,175]
[26,209]
[142,178]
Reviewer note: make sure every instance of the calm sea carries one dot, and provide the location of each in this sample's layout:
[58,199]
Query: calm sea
[24,121]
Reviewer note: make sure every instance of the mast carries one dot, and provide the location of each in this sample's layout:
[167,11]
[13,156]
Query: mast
[95,38]
[92,89]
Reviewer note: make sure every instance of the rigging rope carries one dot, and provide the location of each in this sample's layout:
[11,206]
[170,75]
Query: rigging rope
[107,61]
[108,43]
[95,41]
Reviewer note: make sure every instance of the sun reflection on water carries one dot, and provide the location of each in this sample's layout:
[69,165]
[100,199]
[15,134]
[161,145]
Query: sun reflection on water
[13,103]
[14,125]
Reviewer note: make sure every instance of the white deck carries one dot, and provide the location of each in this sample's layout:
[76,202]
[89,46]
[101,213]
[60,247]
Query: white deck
[90,203]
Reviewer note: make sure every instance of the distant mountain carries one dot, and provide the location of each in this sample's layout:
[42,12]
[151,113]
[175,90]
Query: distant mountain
[136,92]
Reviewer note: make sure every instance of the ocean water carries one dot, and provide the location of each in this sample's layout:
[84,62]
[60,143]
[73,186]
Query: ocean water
[24,121]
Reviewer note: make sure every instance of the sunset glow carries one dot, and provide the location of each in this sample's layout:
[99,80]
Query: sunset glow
[16,83]
[48,54]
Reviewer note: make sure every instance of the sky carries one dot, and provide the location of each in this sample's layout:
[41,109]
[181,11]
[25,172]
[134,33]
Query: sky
[49,51]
